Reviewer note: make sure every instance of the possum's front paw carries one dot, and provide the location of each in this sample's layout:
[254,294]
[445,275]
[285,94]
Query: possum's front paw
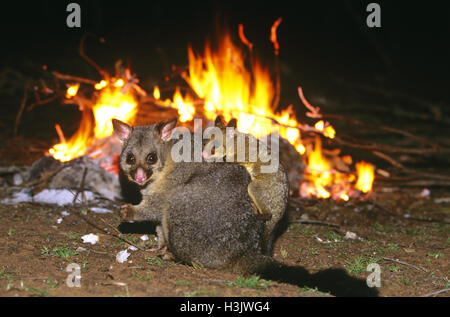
[127,212]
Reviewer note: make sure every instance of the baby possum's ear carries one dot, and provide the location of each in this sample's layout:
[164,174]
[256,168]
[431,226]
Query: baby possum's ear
[219,122]
[165,129]
[121,129]
[232,123]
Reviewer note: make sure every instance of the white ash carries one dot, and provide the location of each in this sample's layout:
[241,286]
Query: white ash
[62,197]
[90,238]
[144,237]
[96,180]
[122,256]
[70,176]
[99,210]
[21,196]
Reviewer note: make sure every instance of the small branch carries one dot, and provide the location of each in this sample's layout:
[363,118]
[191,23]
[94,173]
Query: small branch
[22,107]
[315,222]
[81,188]
[436,293]
[102,72]
[45,101]
[409,170]
[74,78]
[120,236]
[392,149]
[404,263]
[314,111]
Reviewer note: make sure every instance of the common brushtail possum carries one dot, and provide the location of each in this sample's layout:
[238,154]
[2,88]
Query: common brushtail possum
[204,210]
[269,191]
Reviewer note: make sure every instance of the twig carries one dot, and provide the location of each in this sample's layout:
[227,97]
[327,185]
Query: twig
[81,188]
[314,111]
[45,176]
[22,107]
[436,293]
[73,78]
[120,236]
[404,263]
[392,149]
[417,183]
[45,101]
[102,72]
[409,170]
[314,222]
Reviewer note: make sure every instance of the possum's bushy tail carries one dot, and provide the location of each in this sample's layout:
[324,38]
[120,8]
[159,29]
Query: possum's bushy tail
[334,281]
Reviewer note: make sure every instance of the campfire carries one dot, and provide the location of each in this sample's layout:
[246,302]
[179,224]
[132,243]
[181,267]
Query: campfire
[230,81]
[227,79]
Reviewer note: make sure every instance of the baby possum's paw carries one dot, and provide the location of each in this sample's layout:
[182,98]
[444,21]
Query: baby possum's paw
[127,212]
[259,214]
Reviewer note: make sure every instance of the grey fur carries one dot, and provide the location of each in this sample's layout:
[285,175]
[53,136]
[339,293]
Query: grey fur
[204,208]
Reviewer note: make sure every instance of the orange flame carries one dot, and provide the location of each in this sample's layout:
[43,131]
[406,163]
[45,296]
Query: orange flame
[111,103]
[365,176]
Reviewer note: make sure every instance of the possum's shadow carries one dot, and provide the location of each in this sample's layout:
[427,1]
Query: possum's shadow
[334,281]
[141,227]
[337,282]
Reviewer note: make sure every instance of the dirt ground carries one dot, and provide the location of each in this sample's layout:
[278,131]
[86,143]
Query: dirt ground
[406,234]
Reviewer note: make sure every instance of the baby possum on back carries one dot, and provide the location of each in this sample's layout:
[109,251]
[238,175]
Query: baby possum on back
[269,191]
[203,208]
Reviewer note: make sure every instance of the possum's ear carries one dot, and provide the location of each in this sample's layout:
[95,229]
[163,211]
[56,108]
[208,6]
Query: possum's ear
[121,129]
[165,129]
[219,122]
[232,123]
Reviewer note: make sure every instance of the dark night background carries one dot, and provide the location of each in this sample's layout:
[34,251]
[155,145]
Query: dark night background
[321,41]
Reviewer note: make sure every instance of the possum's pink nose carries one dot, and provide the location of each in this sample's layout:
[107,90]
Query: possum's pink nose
[140,176]
[205,155]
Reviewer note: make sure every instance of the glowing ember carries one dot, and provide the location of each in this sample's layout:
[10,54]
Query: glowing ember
[102,84]
[365,176]
[156,93]
[326,129]
[72,91]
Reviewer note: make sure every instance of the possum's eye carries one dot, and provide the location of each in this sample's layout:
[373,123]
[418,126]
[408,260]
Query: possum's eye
[152,158]
[130,159]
